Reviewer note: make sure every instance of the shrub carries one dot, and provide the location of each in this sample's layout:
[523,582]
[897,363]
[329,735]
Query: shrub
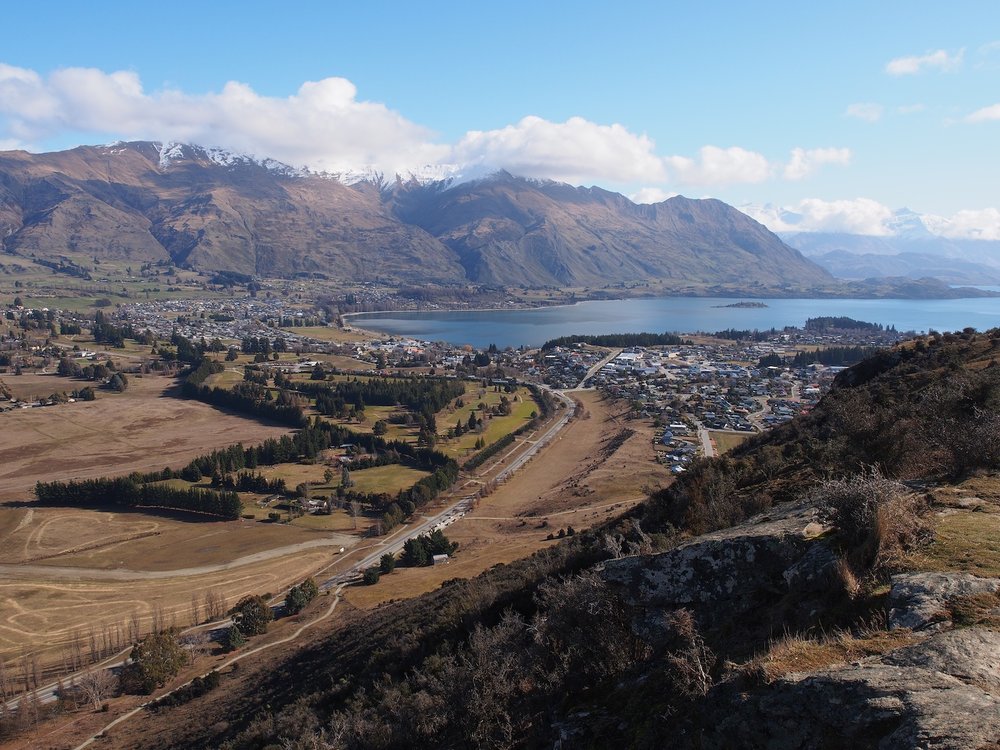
[878,518]
[156,659]
[387,563]
[371,576]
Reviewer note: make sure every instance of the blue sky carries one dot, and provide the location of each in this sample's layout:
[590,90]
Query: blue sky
[838,113]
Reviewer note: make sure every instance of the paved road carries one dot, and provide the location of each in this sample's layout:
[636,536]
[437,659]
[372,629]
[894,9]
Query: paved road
[706,440]
[595,368]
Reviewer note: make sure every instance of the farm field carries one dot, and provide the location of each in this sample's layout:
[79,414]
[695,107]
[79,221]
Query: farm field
[140,430]
[391,478]
[64,570]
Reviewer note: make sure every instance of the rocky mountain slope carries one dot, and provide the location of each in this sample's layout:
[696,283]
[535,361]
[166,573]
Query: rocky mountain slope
[787,596]
[141,202]
[209,210]
[505,227]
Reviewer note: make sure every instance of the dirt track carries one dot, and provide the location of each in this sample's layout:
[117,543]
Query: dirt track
[35,572]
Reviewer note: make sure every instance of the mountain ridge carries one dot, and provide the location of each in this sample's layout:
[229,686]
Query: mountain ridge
[213,210]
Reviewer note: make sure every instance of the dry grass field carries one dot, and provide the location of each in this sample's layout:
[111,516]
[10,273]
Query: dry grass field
[136,541]
[726,441]
[66,571]
[139,430]
[43,609]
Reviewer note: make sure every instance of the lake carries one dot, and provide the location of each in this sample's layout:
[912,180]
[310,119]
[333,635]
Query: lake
[480,328]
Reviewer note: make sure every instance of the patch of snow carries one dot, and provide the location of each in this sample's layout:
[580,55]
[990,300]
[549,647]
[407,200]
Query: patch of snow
[169,153]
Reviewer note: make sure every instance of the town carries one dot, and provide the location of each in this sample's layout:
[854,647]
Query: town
[704,395]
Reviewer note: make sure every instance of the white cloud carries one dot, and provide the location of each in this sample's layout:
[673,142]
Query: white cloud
[857,216]
[974,224]
[869,217]
[650,195]
[910,109]
[720,166]
[866,111]
[986,114]
[805,162]
[939,60]
[573,151]
[322,125]
[325,126]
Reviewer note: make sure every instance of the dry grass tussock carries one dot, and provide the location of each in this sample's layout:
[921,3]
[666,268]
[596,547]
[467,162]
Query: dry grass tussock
[879,520]
[793,653]
[976,609]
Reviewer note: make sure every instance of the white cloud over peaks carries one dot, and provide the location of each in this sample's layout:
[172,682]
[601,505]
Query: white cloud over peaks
[325,126]
[719,166]
[869,217]
[982,224]
[866,111]
[857,216]
[939,60]
[573,151]
[322,125]
[805,162]
[986,114]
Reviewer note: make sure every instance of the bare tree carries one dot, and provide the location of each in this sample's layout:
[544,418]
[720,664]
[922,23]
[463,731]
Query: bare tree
[76,650]
[197,643]
[6,686]
[158,624]
[98,685]
[355,511]
[133,627]
[613,544]
[94,645]
[215,605]
[195,609]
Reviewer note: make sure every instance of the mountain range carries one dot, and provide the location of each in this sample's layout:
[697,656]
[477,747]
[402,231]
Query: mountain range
[858,256]
[210,210]
[910,245]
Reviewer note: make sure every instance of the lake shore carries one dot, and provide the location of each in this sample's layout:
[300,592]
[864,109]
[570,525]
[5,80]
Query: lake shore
[684,315]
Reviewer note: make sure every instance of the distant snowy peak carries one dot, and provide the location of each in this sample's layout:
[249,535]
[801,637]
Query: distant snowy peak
[445,175]
[910,225]
[172,152]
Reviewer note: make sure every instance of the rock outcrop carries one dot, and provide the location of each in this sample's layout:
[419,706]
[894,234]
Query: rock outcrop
[778,569]
[733,578]
[919,600]
[943,693]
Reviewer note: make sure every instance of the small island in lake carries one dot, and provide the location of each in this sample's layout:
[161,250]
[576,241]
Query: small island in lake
[743,304]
